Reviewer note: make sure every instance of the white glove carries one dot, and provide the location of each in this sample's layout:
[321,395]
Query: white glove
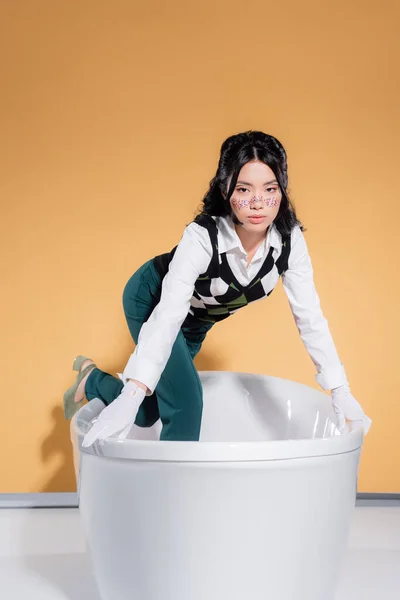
[347,408]
[117,417]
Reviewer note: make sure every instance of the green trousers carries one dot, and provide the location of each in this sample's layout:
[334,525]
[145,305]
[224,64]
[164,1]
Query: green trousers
[178,397]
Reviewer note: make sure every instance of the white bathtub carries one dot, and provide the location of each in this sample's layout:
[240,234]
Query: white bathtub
[259,509]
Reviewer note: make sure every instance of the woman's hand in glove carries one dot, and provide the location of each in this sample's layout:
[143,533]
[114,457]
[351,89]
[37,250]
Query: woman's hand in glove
[347,408]
[117,417]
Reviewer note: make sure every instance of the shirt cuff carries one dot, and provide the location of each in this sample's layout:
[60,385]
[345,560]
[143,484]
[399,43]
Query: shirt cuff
[142,370]
[331,377]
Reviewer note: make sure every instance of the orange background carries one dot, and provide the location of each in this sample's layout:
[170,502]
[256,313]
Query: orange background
[114,110]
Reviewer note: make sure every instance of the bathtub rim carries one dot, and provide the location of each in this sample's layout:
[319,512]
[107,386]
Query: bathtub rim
[166,451]
[224,452]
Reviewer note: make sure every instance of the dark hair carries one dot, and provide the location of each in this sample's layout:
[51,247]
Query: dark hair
[236,151]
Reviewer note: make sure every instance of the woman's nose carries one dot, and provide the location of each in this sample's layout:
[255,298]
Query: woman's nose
[256,202]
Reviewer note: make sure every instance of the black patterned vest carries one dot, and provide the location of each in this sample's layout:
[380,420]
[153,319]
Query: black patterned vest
[217,293]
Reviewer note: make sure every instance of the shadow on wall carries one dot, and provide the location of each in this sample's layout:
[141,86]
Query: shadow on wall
[58,441]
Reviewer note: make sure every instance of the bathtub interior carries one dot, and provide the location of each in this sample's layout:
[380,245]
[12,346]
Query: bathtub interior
[246,407]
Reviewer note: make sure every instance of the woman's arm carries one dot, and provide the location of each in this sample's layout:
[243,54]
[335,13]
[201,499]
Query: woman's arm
[158,333]
[298,282]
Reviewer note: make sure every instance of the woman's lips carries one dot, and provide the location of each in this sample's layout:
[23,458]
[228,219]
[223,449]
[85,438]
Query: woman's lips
[257,219]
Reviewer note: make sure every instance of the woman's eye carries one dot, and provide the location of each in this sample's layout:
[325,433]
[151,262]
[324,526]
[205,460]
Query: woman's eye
[271,190]
[242,189]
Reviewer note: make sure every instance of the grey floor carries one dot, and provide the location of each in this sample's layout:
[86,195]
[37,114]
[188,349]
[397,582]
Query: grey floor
[42,556]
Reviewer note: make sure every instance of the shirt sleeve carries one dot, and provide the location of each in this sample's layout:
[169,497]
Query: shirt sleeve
[298,282]
[158,334]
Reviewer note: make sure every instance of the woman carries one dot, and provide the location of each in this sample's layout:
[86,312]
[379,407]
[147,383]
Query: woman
[246,237]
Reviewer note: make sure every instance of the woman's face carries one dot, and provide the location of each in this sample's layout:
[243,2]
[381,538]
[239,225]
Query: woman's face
[257,197]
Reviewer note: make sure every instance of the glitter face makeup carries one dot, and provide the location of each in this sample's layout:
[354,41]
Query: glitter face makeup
[269,201]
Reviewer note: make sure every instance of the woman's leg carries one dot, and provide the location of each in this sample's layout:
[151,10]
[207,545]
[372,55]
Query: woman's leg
[100,384]
[178,394]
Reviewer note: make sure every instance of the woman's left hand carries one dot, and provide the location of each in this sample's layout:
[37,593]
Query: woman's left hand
[347,408]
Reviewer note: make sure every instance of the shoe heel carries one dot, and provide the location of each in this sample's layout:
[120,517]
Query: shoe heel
[70,406]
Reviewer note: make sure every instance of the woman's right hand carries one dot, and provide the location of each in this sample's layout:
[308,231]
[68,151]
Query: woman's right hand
[117,417]
[348,409]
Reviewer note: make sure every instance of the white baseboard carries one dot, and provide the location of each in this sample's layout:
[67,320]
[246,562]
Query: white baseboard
[365,499]
[40,500]
[70,500]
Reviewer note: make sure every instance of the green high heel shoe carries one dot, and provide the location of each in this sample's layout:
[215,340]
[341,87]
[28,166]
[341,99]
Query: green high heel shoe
[70,406]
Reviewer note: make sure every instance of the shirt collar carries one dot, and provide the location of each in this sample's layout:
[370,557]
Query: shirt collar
[228,239]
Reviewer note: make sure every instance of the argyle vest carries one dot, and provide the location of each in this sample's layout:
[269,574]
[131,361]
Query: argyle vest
[217,293]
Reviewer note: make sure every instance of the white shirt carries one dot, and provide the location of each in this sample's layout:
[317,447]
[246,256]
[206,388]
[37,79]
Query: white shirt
[192,258]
